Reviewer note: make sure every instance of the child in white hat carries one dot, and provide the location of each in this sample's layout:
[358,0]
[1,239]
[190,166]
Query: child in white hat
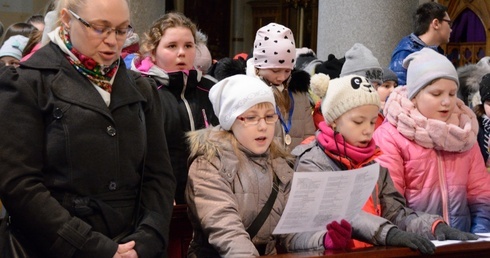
[350,106]
[430,145]
[237,169]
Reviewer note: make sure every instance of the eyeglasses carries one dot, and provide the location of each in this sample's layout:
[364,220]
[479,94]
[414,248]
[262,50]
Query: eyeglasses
[448,22]
[254,120]
[104,31]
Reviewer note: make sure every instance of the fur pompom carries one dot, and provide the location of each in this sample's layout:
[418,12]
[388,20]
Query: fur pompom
[319,84]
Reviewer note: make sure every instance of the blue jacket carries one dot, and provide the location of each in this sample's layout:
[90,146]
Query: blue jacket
[405,47]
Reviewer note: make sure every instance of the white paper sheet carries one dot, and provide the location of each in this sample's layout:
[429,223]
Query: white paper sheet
[483,237]
[318,198]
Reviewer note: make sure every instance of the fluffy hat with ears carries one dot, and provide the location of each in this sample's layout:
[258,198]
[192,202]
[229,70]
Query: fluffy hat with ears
[343,94]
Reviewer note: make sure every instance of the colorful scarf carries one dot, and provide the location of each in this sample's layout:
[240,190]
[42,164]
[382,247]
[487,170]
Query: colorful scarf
[98,74]
[349,155]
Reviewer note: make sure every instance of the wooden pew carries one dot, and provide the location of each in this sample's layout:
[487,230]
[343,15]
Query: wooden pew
[181,235]
[461,250]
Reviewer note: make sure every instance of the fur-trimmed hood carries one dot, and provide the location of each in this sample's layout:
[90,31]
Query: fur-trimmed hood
[211,143]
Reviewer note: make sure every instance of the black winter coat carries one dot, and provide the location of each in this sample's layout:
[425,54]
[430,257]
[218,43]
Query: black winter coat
[183,99]
[71,167]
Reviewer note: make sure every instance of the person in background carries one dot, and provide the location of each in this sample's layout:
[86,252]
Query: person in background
[203,60]
[32,45]
[19,28]
[482,112]
[235,168]
[36,20]
[1,29]
[344,142]
[166,58]
[87,171]
[432,28]
[274,56]
[359,60]
[11,50]
[130,49]
[390,81]
[429,145]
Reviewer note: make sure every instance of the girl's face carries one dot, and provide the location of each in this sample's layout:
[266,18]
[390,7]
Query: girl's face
[276,76]
[385,89]
[357,125]
[256,138]
[104,48]
[486,106]
[176,50]
[437,100]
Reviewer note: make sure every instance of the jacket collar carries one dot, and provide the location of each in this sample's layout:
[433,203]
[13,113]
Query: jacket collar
[73,87]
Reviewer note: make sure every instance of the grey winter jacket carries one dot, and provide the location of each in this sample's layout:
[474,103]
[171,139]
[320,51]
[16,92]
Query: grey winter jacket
[367,227]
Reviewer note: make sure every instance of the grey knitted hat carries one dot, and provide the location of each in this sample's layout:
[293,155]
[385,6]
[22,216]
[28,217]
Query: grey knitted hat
[423,67]
[359,60]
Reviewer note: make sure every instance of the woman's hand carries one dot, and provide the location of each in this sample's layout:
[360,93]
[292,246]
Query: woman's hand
[126,251]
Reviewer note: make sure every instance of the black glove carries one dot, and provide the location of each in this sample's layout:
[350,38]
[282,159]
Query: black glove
[397,237]
[445,232]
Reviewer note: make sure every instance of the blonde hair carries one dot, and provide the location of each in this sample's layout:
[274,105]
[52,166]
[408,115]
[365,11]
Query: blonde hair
[157,30]
[73,5]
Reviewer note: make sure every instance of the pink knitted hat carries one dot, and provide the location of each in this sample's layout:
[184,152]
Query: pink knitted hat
[274,47]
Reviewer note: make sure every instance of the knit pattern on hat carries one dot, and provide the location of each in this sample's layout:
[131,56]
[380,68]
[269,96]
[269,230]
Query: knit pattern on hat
[423,67]
[274,47]
[14,46]
[232,96]
[359,60]
[458,136]
[343,94]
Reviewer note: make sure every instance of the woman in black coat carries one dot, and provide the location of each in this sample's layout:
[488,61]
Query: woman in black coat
[84,167]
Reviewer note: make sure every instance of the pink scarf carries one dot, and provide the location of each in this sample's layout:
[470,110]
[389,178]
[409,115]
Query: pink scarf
[336,145]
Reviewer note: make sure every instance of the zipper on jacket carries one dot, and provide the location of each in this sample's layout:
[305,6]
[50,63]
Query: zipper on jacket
[187,106]
[442,185]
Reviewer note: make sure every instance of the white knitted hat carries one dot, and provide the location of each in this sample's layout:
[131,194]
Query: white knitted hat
[343,94]
[359,60]
[235,94]
[423,67]
[274,47]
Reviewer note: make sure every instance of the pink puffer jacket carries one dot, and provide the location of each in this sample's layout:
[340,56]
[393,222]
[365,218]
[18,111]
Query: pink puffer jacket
[437,166]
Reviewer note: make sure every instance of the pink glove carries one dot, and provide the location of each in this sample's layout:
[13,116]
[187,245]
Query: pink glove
[338,235]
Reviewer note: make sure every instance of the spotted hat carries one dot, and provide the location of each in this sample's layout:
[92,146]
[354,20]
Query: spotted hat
[274,47]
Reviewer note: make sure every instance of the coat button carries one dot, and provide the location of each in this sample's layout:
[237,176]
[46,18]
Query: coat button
[111,131]
[57,113]
[112,186]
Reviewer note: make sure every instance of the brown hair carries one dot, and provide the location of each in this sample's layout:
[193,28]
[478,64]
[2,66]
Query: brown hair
[157,30]
[283,101]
